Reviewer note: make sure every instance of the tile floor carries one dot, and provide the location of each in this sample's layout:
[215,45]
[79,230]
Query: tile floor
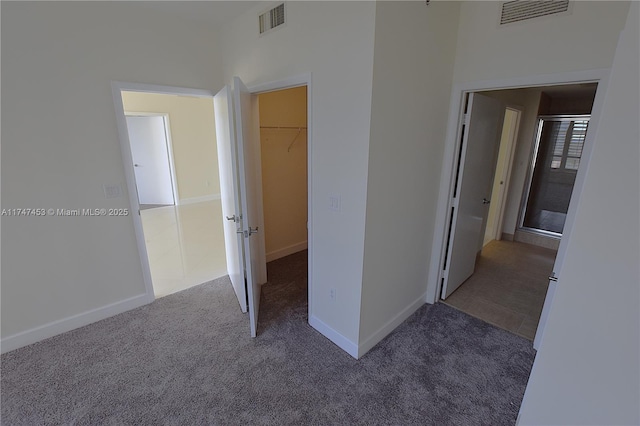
[508,286]
[185,245]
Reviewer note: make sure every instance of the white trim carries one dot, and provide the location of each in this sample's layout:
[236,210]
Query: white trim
[195,200]
[165,90]
[127,160]
[342,342]
[391,325]
[447,178]
[54,328]
[167,133]
[286,251]
[286,83]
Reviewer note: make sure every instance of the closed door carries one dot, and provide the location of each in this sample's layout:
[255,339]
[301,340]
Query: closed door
[150,152]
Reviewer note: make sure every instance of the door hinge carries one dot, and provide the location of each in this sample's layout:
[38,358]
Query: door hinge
[249,232]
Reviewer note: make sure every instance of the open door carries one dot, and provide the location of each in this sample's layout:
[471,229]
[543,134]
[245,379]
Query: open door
[250,196]
[481,133]
[150,153]
[229,187]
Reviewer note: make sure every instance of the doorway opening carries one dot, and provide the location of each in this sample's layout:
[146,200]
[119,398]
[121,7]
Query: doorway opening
[284,155]
[283,147]
[173,148]
[238,121]
[496,268]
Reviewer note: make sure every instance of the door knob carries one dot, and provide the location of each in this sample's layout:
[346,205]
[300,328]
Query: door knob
[485,201]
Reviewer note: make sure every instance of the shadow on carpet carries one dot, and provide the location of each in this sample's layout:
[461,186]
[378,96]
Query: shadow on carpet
[188,359]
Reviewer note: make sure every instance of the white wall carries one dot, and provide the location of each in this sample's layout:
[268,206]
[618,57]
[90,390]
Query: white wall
[587,369]
[413,64]
[334,41]
[60,145]
[584,39]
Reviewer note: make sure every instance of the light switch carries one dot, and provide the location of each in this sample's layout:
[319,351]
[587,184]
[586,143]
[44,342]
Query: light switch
[335,203]
[112,191]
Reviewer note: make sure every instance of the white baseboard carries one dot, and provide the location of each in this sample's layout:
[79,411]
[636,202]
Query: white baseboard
[343,343]
[54,328]
[383,331]
[195,200]
[277,254]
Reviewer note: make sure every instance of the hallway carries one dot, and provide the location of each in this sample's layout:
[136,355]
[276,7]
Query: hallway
[508,286]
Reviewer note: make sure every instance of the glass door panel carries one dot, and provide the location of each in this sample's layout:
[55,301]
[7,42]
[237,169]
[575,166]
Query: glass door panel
[557,157]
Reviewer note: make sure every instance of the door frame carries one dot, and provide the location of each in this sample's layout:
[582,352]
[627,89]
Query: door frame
[125,148]
[447,177]
[288,83]
[167,133]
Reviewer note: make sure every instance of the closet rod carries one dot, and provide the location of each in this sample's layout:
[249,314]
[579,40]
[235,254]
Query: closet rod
[283,127]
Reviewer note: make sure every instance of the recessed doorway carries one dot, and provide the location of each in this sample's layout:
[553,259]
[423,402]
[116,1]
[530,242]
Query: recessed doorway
[173,148]
[507,273]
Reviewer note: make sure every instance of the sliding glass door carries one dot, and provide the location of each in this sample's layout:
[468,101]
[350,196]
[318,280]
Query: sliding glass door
[555,163]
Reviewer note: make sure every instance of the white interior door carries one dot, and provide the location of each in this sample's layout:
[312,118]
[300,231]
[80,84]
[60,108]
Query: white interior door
[149,149]
[481,137]
[501,179]
[229,187]
[247,137]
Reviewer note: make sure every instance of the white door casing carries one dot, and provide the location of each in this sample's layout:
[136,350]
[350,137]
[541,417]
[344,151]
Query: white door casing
[250,195]
[229,186]
[481,137]
[149,150]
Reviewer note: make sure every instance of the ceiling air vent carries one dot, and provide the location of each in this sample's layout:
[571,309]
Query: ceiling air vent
[522,10]
[271,19]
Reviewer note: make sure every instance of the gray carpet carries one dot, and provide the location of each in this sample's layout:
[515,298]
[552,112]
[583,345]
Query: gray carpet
[188,359]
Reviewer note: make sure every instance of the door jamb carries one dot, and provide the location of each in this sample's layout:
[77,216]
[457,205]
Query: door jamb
[447,177]
[125,147]
[288,83]
[167,132]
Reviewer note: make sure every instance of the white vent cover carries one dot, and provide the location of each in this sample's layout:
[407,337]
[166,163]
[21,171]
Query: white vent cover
[522,10]
[271,19]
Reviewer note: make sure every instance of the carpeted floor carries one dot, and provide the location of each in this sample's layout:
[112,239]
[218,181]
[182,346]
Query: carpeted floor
[188,359]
